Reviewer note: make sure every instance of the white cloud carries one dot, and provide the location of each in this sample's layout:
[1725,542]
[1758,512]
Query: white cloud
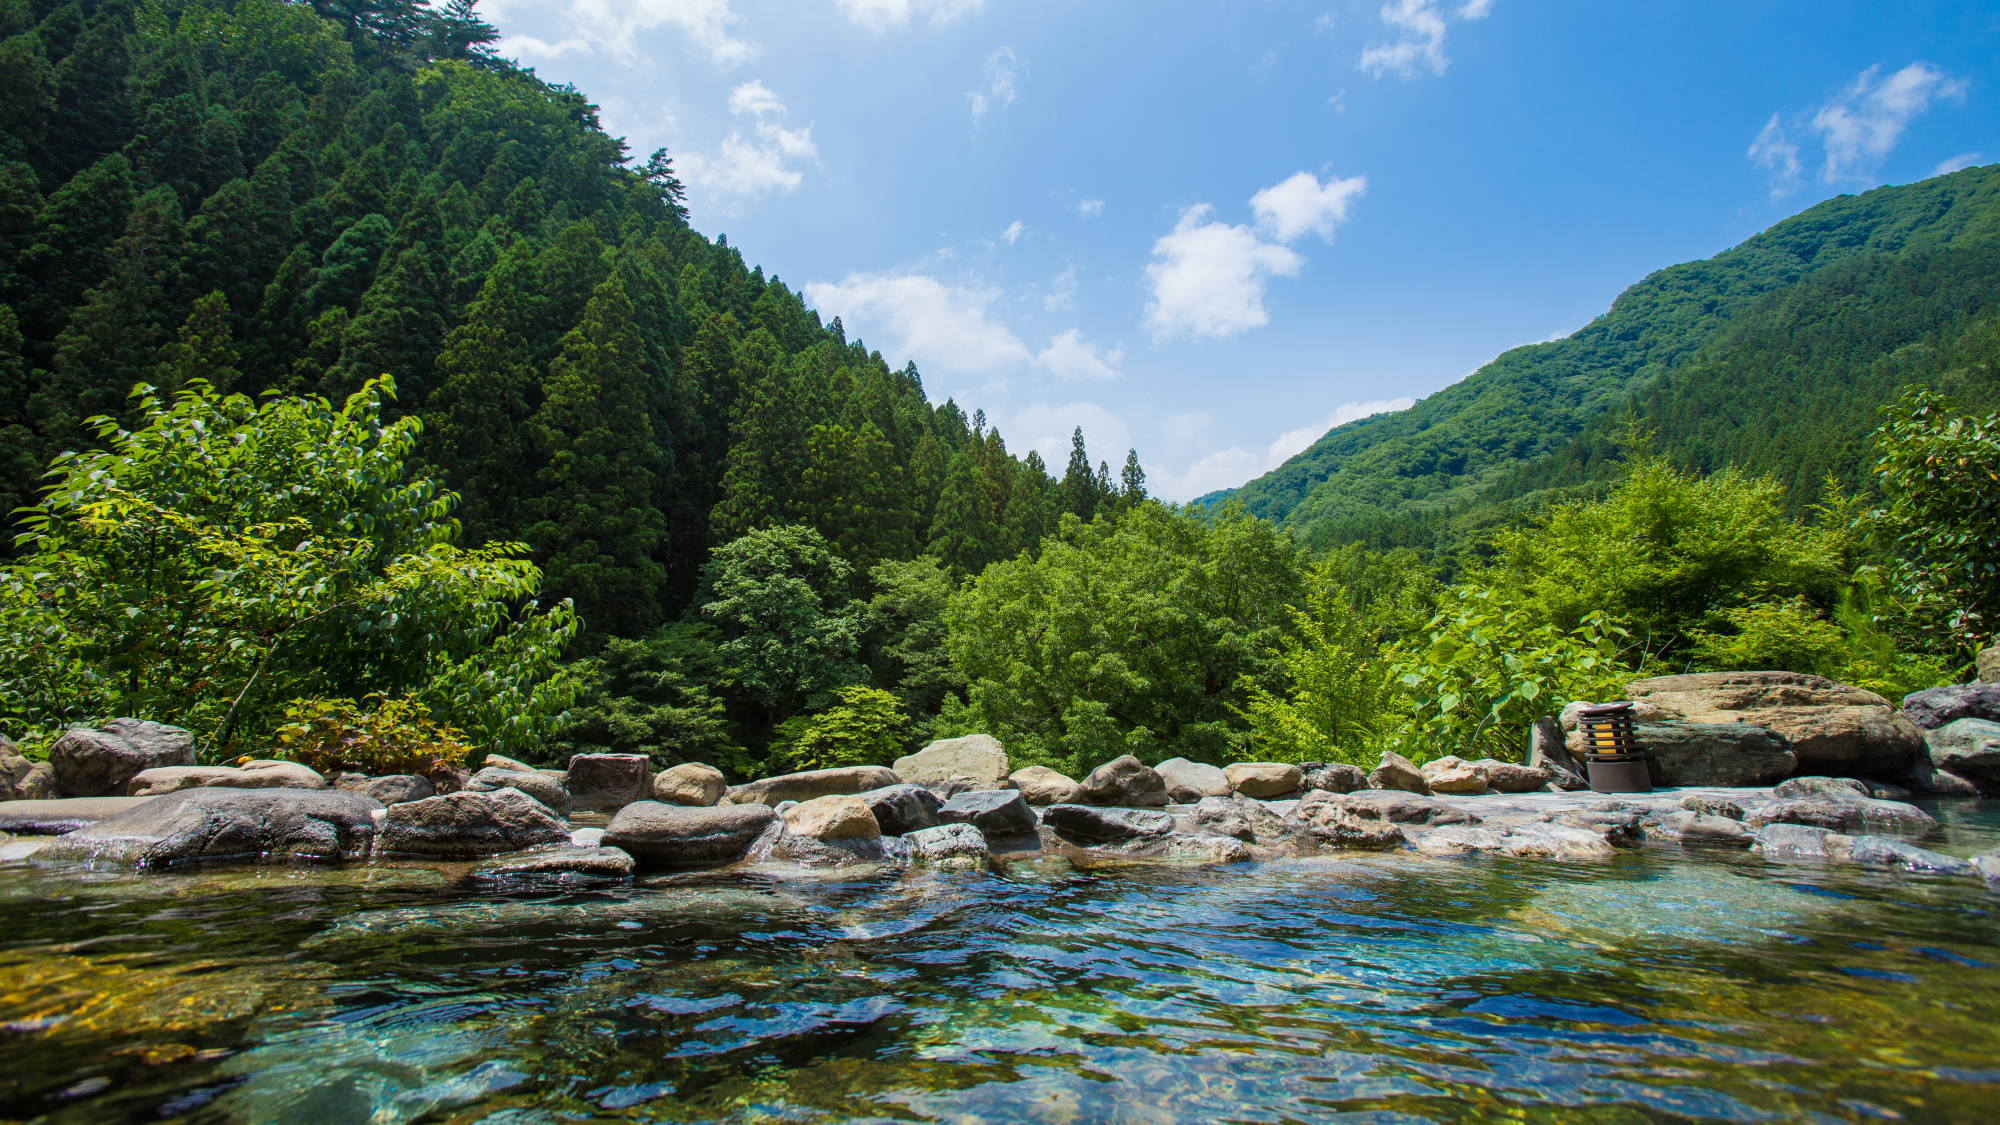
[939,325]
[1227,468]
[999,92]
[1208,277]
[527,48]
[1291,443]
[1419,29]
[881,15]
[1324,23]
[1861,126]
[1070,356]
[1090,208]
[1955,163]
[614,26]
[757,163]
[1061,296]
[1013,232]
[1300,203]
[1046,428]
[1774,152]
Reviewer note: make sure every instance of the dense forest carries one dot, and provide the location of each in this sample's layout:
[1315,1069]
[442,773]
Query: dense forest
[1773,357]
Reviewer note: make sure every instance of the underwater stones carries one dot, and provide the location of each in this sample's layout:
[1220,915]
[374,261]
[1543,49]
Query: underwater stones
[1932,782]
[659,834]
[952,766]
[1881,851]
[390,789]
[1188,782]
[539,784]
[469,825]
[812,783]
[608,781]
[1968,748]
[1935,707]
[690,783]
[1333,777]
[56,816]
[100,762]
[1836,787]
[1264,779]
[253,775]
[1988,868]
[1397,772]
[1847,815]
[1513,777]
[1124,781]
[902,809]
[1792,842]
[1089,825]
[1452,774]
[836,816]
[1734,755]
[1044,786]
[217,824]
[998,813]
[1691,828]
[1832,727]
[559,861]
[950,846]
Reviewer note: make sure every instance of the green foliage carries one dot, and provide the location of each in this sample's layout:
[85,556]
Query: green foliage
[1335,691]
[655,697]
[1939,470]
[791,626]
[906,637]
[863,727]
[378,735]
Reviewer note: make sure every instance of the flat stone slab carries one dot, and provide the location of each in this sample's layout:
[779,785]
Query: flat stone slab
[1505,810]
[62,815]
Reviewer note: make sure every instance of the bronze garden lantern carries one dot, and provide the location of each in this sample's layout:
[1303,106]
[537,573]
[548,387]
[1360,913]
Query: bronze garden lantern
[1611,750]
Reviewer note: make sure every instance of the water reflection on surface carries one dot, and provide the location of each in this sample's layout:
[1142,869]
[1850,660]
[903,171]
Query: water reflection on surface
[1378,989]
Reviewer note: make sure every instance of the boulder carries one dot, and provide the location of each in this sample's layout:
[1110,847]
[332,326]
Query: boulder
[38,784]
[1989,663]
[101,762]
[1710,804]
[608,781]
[1452,774]
[952,846]
[564,862]
[1736,755]
[1881,851]
[1333,777]
[805,786]
[1264,780]
[1968,748]
[221,824]
[836,816]
[1188,782]
[1044,786]
[1457,840]
[56,816]
[1691,828]
[1794,842]
[503,762]
[1397,772]
[1513,777]
[1851,816]
[690,783]
[1547,750]
[1553,840]
[1397,805]
[538,784]
[1832,727]
[14,769]
[392,789]
[1089,826]
[903,809]
[1929,782]
[1935,707]
[253,775]
[952,766]
[998,813]
[777,844]
[663,835]
[1124,781]
[1330,821]
[1240,818]
[1988,865]
[469,825]
[1836,787]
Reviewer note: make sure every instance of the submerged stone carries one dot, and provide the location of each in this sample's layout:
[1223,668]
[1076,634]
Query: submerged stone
[561,861]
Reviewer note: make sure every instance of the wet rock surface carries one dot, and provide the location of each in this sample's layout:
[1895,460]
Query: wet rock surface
[102,762]
[658,834]
[997,813]
[227,824]
[560,862]
[469,825]
[903,809]
[812,783]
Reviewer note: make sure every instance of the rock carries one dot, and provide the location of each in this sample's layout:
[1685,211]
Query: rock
[14,769]
[952,846]
[469,825]
[1989,663]
[836,816]
[1189,849]
[957,765]
[1513,777]
[1090,826]
[1835,787]
[608,781]
[1452,774]
[101,762]
[1880,851]
[1935,707]
[1988,865]
[1264,780]
[56,816]
[1940,783]
[502,762]
[812,783]
[1832,727]
[38,784]
[535,783]
[1851,816]
[777,844]
[1736,755]
[1968,748]
[1884,791]
[14,851]
[1549,840]
[998,813]
[1456,840]
[1792,842]
[217,824]
[664,835]
[392,789]
[1692,828]
[1710,804]
[691,783]
[1331,821]
[559,861]
[1396,805]
[253,775]
[1044,786]
[1616,827]
[1240,818]
[1546,750]
[1124,781]
[903,809]
[1334,777]
[1188,782]
[1397,772]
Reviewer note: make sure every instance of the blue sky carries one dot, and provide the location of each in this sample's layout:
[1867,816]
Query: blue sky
[1210,230]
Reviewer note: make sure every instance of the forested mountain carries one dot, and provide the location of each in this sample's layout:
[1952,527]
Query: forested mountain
[275,195]
[1773,356]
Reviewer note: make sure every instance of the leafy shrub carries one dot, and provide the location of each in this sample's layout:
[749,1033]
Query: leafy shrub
[377,735]
[652,697]
[862,728]
[1939,471]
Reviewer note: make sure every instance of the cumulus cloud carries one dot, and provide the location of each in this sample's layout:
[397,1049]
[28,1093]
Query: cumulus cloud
[1860,127]
[952,327]
[528,48]
[1090,208]
[1227,468]
[1417,29]
[761,161]
[881,15]
[1208,277]
[1061,296]
[1301,203]
[1774,152]
[1070,356]
[1013,232]
[1955,163]
[1046,427]
[999,92]
[614,27]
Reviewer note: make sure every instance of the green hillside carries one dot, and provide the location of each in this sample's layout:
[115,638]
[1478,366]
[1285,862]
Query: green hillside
[1772,356]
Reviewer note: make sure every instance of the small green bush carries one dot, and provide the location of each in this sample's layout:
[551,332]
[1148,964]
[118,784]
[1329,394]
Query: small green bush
[377,735]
